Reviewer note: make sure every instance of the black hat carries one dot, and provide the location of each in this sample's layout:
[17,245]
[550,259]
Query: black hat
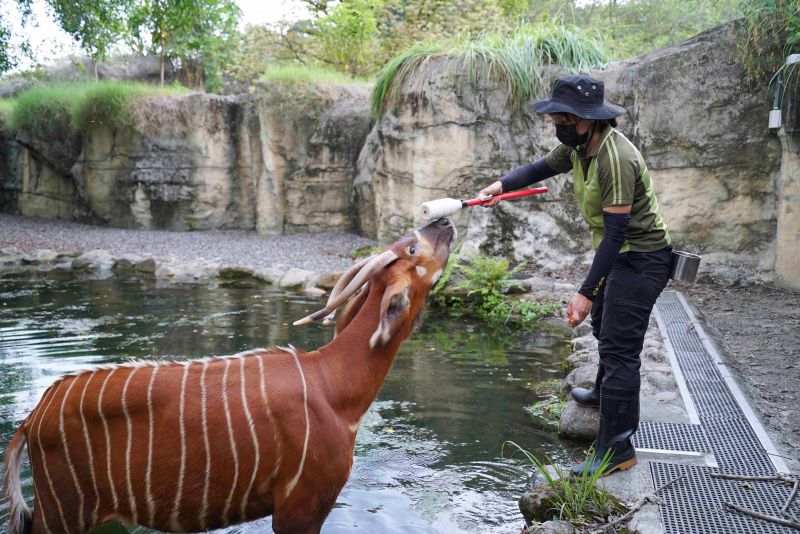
[579,95]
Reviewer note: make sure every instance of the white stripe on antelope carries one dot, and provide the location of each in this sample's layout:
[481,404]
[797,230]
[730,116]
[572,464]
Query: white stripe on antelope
[174,448]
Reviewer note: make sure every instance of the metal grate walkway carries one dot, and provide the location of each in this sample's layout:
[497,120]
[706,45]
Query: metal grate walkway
[727,428]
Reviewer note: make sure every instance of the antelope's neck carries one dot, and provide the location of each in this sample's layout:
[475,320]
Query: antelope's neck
[355,371]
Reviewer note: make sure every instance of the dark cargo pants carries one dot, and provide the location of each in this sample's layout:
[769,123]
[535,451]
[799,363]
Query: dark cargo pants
[621,313]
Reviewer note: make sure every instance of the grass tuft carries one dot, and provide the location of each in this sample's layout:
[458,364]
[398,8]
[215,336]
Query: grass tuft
[575,499]
[516,61]
[6,107]
[307,75]
[60,109]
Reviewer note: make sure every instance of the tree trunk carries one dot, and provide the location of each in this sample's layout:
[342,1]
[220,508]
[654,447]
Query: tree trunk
[162,68]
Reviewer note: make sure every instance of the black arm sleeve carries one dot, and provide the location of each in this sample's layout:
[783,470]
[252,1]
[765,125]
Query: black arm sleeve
[527,175]
[615,226]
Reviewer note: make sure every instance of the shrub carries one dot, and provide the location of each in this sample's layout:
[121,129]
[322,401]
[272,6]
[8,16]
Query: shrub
[576,499]
[58,109]
[515,60]
[6,107]
[46,110]
[481,290]
[300,74]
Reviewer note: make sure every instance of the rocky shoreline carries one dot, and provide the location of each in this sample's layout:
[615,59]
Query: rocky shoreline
[660,401]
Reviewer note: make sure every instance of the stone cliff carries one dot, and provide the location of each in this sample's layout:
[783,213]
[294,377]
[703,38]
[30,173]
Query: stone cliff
[285,160]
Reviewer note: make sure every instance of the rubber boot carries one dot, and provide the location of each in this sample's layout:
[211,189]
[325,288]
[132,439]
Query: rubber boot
[590,398]
[619,419]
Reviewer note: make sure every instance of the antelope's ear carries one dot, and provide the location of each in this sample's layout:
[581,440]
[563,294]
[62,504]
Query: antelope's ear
[394,306]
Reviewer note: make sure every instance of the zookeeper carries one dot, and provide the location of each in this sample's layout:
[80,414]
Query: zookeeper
[632,251]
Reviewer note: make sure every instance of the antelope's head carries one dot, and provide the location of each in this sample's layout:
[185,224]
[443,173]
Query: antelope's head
[405,272]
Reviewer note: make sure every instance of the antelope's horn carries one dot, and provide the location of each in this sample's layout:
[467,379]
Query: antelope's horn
[364,275]
[342,282]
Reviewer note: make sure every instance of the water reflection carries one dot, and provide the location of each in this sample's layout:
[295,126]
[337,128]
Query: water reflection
[427,454]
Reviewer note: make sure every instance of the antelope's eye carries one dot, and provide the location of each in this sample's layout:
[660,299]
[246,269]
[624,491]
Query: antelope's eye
[412,249]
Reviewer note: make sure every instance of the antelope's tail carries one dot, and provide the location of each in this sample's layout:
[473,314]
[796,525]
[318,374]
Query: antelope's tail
[19,514]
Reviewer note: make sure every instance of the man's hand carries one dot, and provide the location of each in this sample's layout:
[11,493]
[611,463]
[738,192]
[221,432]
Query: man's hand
[577,310]
[495,189]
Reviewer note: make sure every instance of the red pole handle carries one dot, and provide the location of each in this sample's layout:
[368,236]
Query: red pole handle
[506,196]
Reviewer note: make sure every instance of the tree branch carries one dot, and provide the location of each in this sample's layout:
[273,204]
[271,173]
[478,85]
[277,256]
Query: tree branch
[765,517]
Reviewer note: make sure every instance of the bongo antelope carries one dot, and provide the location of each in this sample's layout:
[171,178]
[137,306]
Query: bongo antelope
[202,444]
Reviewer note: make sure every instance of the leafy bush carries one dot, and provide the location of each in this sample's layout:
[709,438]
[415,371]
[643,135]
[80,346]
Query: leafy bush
[576,499]
[46,110]
[481,290]
[58,109]
[303,74]
[515,60]
[772,32]
[109,103]
[6,107]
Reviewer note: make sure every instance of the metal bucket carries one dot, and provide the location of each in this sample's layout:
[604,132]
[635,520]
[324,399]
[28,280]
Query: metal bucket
[684,266]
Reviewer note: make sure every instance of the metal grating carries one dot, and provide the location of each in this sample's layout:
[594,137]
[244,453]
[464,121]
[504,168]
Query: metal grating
[696,503]
[671,437]
[730,436]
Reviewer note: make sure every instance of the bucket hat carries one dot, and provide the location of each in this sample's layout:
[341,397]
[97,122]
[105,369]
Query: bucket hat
[579,95]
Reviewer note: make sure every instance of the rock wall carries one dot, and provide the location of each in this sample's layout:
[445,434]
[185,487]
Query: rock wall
[701,132]
[286,159]
[277,160]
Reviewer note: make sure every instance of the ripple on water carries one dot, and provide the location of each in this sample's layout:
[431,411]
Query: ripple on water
[427,457]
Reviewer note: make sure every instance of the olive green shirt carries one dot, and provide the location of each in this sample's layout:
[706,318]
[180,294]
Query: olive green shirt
[614,174]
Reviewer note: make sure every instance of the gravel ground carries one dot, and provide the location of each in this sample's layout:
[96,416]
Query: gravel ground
[324,252]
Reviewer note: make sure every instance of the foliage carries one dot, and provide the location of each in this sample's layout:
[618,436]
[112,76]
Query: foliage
[772,32]
[6,107]
[95,24]
[300,74]
[547,412]
[487,279]
[58,109]
[636,27]
[346,32]
[482,291]
[576,499]
[196,32]
[109,103]
[46,110]
[514,60]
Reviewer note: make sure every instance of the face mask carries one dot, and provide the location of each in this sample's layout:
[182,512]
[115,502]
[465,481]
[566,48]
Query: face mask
[568,134]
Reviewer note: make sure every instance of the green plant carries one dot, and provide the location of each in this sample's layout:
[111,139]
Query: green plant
[305,74]
[575,499]
[486,279]
[530,311]
[60,109]
[514,59]
[547,412]
[6,107]
[109,103]
[46,110]
[772,32]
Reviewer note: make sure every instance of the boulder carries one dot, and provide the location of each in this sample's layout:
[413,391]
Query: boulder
[270,275]
[552,527]
[296,278]
[94,260]
[146,266]
[128,262]
[236,273]
[45,256]
[538,504]
[579,422]
[328,280]
[583,377]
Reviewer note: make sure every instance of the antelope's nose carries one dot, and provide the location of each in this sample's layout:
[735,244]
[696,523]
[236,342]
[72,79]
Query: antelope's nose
[447,223]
